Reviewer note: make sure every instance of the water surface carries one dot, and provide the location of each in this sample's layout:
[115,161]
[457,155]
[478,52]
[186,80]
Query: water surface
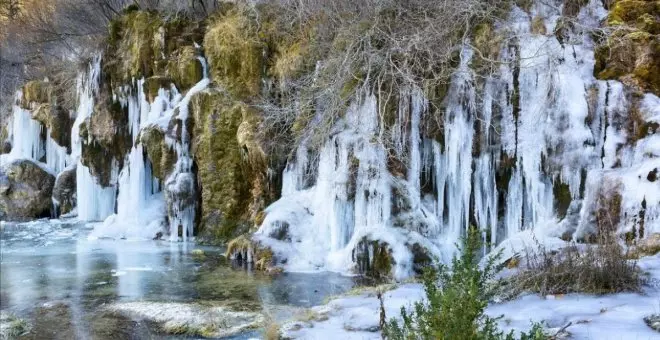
[51,273]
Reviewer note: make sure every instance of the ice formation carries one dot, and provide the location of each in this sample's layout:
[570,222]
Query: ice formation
[515,144]
[141,202]
[562,128]
[94,202]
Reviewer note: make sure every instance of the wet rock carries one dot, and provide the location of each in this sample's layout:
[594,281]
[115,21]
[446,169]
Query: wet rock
[25,191]
[57,121]
[152,85]
[373,258]
[106,139]
[190,319]
[5,147]
[64,191]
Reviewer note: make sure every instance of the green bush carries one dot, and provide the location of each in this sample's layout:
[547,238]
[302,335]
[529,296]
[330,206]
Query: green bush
[455,301]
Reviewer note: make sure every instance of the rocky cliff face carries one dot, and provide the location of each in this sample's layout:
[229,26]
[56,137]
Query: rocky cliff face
[549,120]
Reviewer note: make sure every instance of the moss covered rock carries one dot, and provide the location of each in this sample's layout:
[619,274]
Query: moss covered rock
[185,68]
[230,163]
[234,52]
[632,52]
[5,144]
[35,93]
[162,157]
[25,191]
[106,139]
[56,120]
[135,45]
[373,258]
[221,169]
[153,84]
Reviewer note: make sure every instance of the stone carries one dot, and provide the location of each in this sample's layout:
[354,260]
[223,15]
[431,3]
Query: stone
[64,191]
[25,191]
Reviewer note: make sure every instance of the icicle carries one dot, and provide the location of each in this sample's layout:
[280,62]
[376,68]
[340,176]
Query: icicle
[25,134]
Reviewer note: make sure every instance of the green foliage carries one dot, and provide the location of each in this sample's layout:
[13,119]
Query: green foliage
[455,302]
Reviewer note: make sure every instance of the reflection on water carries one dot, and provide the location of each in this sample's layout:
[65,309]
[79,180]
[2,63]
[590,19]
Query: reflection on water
[45,263]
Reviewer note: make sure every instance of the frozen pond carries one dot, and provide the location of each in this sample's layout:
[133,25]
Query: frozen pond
[52,274]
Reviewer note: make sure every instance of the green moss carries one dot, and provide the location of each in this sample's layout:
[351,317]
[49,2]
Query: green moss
[632,54]
[234,52]
[228,177]
[162,157]
[36,92]
[627,11]
[184,68]
[134,46]
[373,258]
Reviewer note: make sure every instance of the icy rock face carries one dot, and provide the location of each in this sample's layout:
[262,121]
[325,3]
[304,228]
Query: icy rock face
[64,191]
[94,202]
[539,143]
[25,190]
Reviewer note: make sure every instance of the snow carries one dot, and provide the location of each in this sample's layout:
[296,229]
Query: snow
[614,316]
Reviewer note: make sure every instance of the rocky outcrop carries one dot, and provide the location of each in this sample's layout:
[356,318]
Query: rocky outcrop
[25,191]
[64,191]
[631,53]
[105,139]
[39,97]
[231,165]
[162,156]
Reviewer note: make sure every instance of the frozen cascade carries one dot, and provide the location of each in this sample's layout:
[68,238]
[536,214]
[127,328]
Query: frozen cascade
[25,134]
[57,157]
[540,122]
[180,185]
[140,208]
[94,202]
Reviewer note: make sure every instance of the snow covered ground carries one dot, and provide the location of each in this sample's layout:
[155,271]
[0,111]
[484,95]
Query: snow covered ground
[615,316]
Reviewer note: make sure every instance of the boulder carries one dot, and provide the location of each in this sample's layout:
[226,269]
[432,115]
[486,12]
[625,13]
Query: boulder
[25,190]
[64,191]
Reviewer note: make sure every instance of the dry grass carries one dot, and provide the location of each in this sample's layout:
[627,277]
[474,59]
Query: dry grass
[595,269]
[272,331]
